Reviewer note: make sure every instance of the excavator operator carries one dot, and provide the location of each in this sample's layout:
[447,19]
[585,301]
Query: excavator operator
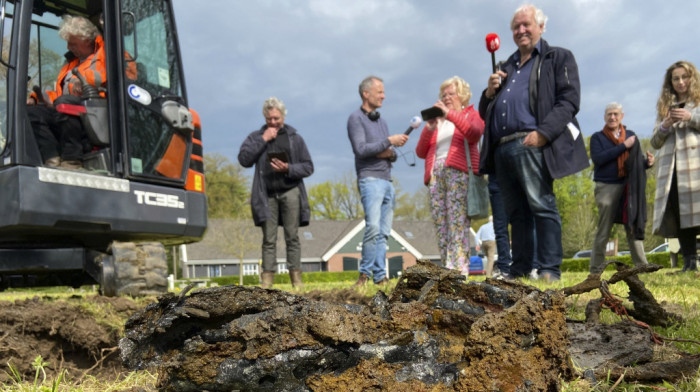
[60,137]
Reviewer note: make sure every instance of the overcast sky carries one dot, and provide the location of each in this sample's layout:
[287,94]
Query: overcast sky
[312,54]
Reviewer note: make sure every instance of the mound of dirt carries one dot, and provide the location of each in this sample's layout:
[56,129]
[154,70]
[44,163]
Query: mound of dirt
[339,296]
[435,331]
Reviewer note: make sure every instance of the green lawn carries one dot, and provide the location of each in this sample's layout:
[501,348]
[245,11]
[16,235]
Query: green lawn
[679,292]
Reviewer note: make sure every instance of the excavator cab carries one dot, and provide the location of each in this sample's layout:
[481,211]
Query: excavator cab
[140,186]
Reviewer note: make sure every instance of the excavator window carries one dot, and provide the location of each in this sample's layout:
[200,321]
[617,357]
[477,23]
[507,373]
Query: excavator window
[47,55]
[5,57]
[156,149]
[150,136]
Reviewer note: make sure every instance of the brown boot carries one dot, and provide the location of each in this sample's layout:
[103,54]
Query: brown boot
[295,277]
[268,279]
[53,162]
[361,281]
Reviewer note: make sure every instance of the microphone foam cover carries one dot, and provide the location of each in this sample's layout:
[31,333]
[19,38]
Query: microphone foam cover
[416,121]
[492,42]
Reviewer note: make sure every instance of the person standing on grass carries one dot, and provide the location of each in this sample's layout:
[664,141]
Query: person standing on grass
[374,153]
[677,137]
[278,197]
[613,151]
[532,137]
[486,237]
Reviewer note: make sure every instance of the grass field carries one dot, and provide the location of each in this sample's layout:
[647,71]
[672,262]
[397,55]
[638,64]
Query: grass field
[679,293]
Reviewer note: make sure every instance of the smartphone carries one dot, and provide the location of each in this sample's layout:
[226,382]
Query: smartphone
[282,156]
[431,113]
[678,105]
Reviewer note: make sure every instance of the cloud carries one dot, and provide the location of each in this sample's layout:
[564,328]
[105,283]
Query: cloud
[313,53]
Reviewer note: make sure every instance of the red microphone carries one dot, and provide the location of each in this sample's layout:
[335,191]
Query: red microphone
[492,45]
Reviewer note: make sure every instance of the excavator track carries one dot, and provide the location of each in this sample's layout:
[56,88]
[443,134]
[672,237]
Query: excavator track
[134,269]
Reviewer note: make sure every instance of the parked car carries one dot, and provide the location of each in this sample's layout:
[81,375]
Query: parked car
[661,248]
[583,254]
[623,253]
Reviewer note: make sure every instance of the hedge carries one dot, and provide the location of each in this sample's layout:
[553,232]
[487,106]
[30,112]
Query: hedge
[309,277]
[581,265]
[567,265]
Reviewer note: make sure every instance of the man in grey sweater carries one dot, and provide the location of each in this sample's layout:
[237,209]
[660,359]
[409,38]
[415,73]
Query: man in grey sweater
[374,153]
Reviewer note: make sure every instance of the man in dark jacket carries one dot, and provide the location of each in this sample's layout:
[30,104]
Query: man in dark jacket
[532,137]
[612,152]
[278,197]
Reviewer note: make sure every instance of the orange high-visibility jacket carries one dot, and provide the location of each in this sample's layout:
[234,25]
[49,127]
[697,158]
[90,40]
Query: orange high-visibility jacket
[93,70]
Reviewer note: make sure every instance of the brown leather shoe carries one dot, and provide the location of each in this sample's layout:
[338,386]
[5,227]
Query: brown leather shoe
[71,165]
[53,162]
[361,281]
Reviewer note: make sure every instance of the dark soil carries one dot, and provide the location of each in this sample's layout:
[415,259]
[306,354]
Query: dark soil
[69,337]
[64,334]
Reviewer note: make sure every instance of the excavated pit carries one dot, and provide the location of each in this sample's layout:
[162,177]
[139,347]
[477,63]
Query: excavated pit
[435,332]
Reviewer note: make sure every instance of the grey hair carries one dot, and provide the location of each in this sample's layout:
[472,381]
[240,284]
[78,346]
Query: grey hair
[367,83]
[77,26]
[613,106]
[540,17]
[274,103]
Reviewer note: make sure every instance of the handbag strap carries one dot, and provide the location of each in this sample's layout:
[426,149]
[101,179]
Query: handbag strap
[469,159]
[466,151]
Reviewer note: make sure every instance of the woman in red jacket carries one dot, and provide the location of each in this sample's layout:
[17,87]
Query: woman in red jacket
[441,144]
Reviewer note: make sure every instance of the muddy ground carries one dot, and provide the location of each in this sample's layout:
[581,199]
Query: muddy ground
[81,334]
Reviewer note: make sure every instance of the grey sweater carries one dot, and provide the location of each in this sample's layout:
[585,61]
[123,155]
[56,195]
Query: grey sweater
[369,138]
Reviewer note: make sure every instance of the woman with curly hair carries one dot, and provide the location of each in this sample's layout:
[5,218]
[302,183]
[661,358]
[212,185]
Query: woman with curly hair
[441,144]
[677,137]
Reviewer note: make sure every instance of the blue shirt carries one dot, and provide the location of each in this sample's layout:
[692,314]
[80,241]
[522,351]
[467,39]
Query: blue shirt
[511,112]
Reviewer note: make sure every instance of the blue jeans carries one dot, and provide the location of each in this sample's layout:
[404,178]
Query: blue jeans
[500,226]
[528,196]
[378,202]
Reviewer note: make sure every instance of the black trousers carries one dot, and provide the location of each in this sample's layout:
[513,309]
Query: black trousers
[58,134]
[686,237]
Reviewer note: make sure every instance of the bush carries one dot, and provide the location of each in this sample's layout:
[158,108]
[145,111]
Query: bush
[308,277]
[567,265]
[581,265]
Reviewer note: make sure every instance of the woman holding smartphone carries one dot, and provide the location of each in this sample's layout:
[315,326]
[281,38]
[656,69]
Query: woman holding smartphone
[441,144]
[677,137]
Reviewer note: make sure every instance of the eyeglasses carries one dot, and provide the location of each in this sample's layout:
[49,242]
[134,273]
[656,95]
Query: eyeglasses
[448,95]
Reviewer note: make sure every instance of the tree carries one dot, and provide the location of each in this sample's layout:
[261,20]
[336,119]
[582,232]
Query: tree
[335,200]
[228,193]
[414,206]
[234,237]
[579,214]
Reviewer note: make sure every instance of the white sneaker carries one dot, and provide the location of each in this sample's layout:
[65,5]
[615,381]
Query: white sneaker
[534,275]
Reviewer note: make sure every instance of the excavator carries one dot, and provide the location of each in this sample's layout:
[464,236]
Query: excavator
[141,185]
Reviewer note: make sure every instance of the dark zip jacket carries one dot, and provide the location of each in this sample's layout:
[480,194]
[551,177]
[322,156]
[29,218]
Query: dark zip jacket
[634,201]
[555,95]
[254,152]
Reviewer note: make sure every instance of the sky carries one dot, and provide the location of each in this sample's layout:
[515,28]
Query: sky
[312,54]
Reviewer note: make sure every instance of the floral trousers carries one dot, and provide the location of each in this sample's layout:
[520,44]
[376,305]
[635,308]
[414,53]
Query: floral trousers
[448,207]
